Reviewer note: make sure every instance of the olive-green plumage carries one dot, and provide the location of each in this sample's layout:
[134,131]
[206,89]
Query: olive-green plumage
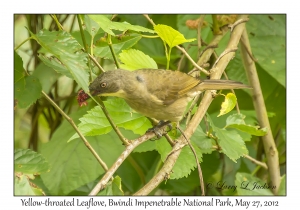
[156,93]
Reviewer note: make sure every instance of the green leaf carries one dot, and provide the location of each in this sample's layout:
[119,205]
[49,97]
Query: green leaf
[228,104]
[30,162]
[113,188]
[269,31]
[163,148]
[91,26]
[22,186]
[230,141]
[282,187]
[145,147]
[72,163]
[237,121]
[107,25]
[102,49]
[135,59]
[46,75]
[69,52]
[18,68]
[55,64]
[95,122]
[250,185]
[27,90]
[186,162]
[170,35]
[202,141]
[253,130]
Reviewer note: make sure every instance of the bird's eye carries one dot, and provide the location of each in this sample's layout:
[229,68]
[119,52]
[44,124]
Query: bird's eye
[103,84]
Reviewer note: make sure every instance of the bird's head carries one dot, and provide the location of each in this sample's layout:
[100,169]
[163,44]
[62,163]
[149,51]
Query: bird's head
[108,84]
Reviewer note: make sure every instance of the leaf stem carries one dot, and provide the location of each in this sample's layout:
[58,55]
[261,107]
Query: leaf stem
[96,63]
[109,42]
[60,27]
[150,37]
[16,48]
[85,45]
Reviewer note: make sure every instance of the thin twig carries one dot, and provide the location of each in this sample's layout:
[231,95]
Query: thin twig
[60,27]
[209,47]
[232,26]
[192,61]
[262,164]
[149,19]
[223,54]
[85,45]
[197,161]
[96,63]
[109,42]
[189,112]
[249,52]
[257,162]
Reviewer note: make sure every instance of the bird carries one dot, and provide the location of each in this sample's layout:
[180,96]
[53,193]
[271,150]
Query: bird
[156,93]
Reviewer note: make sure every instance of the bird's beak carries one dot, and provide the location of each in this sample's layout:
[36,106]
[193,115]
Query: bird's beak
[93,92]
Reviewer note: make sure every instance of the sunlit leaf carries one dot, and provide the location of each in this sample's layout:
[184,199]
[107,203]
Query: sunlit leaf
[134,59]
[170,35]
[228,104]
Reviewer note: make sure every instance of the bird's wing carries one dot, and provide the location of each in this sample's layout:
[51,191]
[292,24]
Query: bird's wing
[167,85]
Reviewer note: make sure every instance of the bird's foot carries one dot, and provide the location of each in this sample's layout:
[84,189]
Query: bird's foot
[158,131]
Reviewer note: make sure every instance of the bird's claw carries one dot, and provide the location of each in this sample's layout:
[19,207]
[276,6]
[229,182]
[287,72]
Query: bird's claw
[157,129]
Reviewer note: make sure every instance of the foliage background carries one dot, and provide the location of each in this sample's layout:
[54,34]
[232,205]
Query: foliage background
[73,169]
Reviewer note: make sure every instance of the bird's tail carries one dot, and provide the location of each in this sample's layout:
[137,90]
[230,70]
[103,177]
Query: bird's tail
[215,84]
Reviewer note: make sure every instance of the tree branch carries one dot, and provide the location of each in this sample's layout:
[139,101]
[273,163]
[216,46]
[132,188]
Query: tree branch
[261,113]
